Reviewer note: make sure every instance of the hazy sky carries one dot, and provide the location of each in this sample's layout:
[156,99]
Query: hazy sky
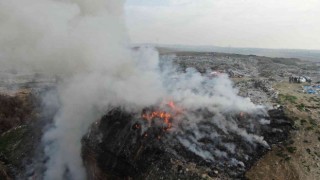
[236,23]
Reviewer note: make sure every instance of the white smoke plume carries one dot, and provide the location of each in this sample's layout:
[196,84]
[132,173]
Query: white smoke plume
[85,43]
[216,101]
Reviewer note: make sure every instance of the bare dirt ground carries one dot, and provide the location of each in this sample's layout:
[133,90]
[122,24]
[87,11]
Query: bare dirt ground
[299,157]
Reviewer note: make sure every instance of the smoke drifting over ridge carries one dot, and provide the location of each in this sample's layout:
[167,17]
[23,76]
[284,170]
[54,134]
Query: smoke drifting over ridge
[86,44]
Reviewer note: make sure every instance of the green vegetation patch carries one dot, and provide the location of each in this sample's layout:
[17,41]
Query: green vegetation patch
[291,149]
[301,107]
[12,144]
[7,139]
[287,99]
[283,155]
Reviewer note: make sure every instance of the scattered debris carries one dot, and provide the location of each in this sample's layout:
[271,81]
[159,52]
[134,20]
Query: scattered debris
[299,79]
[312,89]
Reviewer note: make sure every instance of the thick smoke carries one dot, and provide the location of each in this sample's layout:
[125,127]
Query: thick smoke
[215,116]
[85,44]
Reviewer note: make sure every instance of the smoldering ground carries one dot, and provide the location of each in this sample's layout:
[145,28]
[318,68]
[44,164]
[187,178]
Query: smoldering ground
[219,135]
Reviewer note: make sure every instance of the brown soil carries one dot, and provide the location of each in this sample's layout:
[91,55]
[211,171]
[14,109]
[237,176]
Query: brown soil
[15,110]
[299,157]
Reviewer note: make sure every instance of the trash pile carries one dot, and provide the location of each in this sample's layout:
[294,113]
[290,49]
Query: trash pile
[239,66]
[299,79]
[120,146]
[260,91]
[313,89]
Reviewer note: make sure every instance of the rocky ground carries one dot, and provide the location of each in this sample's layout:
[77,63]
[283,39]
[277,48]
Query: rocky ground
[264,80]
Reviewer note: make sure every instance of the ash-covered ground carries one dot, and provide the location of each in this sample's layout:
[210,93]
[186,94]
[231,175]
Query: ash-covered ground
[199,143]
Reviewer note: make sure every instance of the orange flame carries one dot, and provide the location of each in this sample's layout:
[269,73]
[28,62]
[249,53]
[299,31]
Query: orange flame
[174,108]
[159,114]
[163,115]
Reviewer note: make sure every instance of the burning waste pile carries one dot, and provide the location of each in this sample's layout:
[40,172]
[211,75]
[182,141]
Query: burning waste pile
[152,114]
[206,124]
